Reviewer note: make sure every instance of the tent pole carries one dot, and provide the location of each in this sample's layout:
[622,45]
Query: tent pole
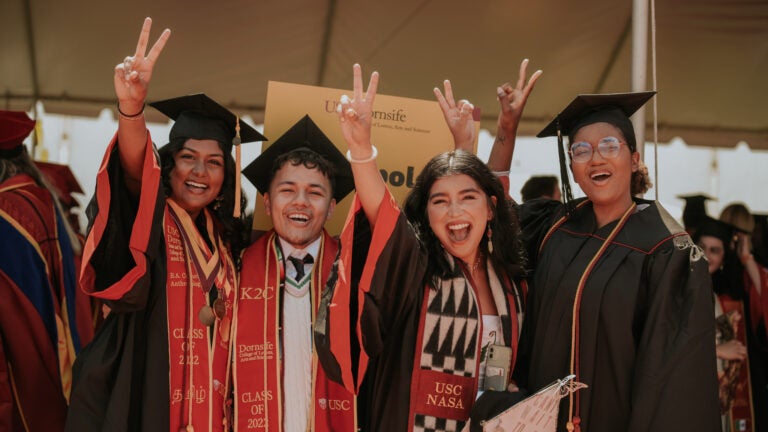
[33,68]
[639,65]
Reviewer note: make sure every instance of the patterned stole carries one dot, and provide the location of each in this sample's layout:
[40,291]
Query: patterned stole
[258,369]
[199,355]
[444,382]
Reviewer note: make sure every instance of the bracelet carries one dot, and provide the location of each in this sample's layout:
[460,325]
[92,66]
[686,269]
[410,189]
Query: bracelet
[366,160]
[130,116]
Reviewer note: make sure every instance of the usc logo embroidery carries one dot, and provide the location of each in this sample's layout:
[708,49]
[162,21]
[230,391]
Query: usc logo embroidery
[334,404]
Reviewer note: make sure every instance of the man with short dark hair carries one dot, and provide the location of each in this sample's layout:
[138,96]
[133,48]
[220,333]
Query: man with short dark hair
[281,385]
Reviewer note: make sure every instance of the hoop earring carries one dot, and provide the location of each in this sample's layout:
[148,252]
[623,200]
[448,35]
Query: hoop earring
[489,233]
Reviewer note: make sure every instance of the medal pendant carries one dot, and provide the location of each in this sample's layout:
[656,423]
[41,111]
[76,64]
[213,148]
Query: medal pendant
[219,308]
[206,316]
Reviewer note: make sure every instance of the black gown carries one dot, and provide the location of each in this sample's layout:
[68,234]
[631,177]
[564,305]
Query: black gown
[647,339]
[388,264]
[115,388]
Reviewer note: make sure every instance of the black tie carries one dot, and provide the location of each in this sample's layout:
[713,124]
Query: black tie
[298,264]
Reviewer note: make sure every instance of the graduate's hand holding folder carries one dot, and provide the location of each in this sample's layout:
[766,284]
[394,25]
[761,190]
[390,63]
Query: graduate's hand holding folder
[535,413]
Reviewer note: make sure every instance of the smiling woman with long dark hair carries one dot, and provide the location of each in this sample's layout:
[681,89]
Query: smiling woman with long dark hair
[426,296]
[160,254]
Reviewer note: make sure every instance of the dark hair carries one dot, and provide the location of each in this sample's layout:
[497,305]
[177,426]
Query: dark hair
[507,256]
[310,159]
[233,230]
[538,186]
[729,278]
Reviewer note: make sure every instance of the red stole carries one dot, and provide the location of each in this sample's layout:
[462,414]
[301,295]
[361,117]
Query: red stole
[735,380]
[199,357]
[258,369]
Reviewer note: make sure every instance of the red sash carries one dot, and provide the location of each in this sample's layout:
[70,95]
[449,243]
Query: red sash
[258,370]
[199,374]
[741,413]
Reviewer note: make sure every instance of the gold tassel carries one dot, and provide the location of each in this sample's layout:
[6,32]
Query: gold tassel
[236,143]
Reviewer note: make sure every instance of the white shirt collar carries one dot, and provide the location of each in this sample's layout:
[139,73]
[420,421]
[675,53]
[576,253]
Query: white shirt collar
[312,249]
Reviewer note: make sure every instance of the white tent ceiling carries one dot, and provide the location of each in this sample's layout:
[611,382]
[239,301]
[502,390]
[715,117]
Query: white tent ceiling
[712,54]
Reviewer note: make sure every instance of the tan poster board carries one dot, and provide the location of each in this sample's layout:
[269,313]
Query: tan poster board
[408,133]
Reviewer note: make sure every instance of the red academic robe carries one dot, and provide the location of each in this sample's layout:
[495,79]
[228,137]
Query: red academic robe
[257,366]
[37,312]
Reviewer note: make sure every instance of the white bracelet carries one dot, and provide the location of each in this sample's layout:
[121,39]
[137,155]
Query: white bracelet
[366,160]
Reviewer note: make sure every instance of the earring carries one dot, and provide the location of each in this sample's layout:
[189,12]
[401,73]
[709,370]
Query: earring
[217,202]
[489,233]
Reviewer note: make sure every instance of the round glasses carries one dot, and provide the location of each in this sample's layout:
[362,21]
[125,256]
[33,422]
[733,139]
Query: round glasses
[608,147]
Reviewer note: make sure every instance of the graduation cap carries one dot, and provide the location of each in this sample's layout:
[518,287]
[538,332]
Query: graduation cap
[695,212]
[717,229]
[304,135]
[199,117]
[63,180]
[586,109]
[15,126]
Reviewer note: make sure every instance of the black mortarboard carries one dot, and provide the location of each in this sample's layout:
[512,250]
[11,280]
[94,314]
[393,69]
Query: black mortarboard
[585,109]
[305,134]
[199,117]
[695,211]
[718,229]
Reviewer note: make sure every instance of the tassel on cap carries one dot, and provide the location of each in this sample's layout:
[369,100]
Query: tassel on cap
[236,144]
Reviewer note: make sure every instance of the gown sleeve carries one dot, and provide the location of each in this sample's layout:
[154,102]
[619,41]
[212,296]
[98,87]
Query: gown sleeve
[376,282]
[675,379]
[536,218]
[125,233]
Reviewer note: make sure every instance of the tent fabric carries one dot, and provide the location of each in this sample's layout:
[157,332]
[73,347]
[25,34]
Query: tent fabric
[712,54]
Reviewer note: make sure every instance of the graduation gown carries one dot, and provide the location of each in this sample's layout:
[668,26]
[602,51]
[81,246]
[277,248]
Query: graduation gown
[258,354]
[123,379]
[410,348]
[646,340]
[38,333]
[757,336]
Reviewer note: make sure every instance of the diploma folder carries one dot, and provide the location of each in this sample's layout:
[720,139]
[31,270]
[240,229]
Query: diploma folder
[536,413]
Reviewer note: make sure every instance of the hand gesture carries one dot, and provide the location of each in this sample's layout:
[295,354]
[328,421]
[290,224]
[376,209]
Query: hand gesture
[132,76]
[355,114]
[513,99]
[732,350]
[458,116]
[744,247]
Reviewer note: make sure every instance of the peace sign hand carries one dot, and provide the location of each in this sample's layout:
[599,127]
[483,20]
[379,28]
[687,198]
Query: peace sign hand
[132,76]
[355,114]
[458,116]
[513,99]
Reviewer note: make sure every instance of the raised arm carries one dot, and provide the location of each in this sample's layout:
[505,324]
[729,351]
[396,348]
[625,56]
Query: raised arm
[132,78]
[355,119]
[512,101]
[458,117]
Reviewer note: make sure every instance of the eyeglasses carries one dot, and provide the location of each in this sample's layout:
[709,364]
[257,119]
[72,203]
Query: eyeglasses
[608,147]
